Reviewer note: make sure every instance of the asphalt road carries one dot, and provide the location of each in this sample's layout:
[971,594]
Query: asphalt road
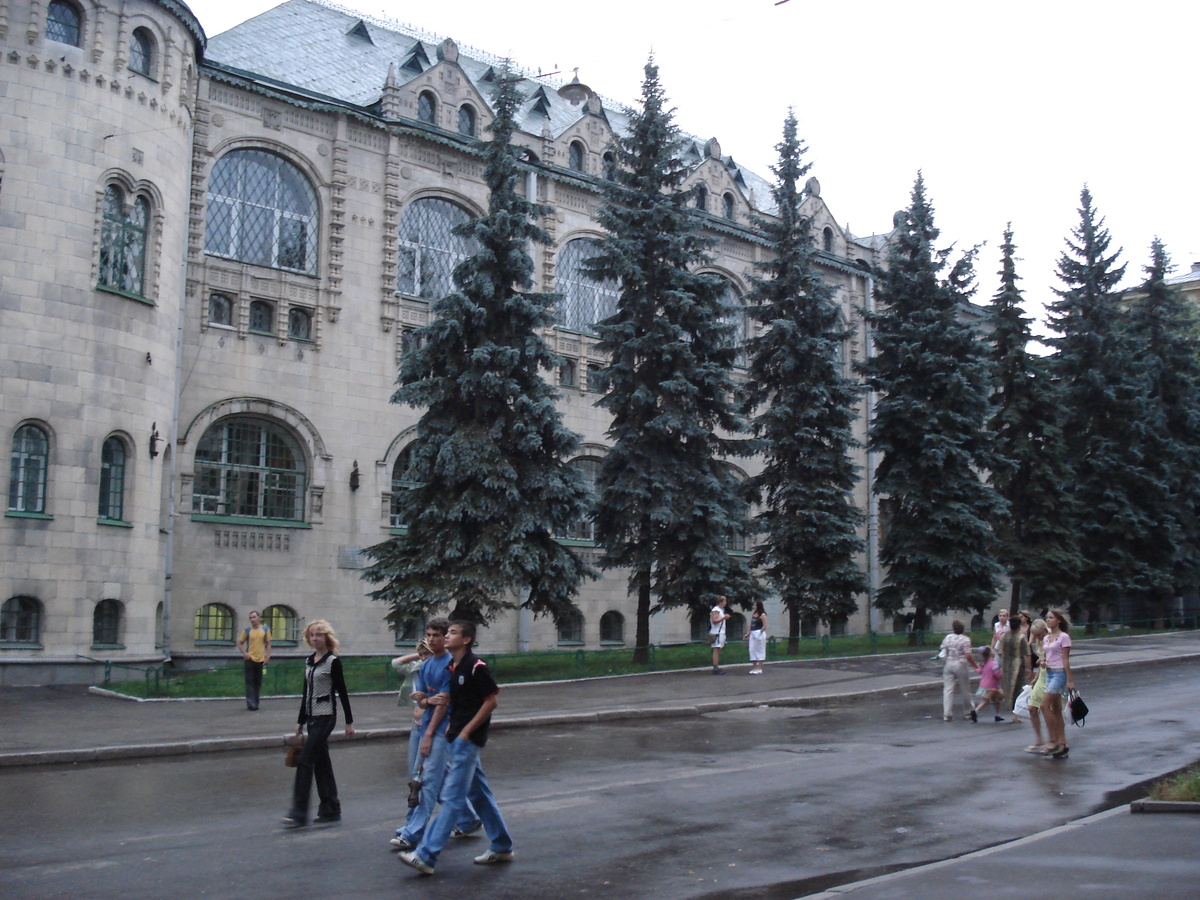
[759,803]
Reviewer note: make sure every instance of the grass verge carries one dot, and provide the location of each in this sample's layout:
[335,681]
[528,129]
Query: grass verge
[1182,786]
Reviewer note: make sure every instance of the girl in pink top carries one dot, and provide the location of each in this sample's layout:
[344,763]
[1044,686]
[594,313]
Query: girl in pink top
[989,681]
[1056,657]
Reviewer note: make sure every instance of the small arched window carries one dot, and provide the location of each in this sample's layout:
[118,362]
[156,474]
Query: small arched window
[570,627]
[827,240]
[427,108]
[123,242]
[612,628]
[728,207]
[29,461]
[106,625]
[284,625]
[249,467]
[299,324]
[702,198]
[112,480]
[567,376]
[262,316]
[429,249]
[220,310]
[214,624]
[141,52]
[610,167]
[586,299]
[575,156]
[21,621]
[466,120]
[588,468]
[64,23]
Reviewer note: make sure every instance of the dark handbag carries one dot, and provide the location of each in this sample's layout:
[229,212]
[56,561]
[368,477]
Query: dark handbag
[712,638]
[295,746]
[1078,708]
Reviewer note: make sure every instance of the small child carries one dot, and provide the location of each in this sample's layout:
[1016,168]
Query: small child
[989,681]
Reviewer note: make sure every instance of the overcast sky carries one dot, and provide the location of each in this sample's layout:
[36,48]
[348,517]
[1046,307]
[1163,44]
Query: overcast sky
[1008,109]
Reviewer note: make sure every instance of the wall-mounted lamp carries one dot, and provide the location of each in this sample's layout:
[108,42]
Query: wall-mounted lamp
[354,477]
[154,439]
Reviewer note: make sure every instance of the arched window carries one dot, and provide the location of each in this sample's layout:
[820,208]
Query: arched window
[734,314]
[588,468]
[220,310]
[402,483]
[21,621]
[409,341]
[466,120]
[123,242]
[702,198]
[262,210]
[141,51]
[429,250]
[570,627]
[262,316]
[30,460]
[214,624]
[738,542]
[427,108]
[612,628]
[249,467]
[299,324]
[728,209]
[284,625]
[610,167]
[112,480]
[567,376]
[64,23]
[827,240]
[586,300]
[575,156]
[106,624]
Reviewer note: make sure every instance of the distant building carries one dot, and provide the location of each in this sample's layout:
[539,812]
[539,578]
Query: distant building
[214,256]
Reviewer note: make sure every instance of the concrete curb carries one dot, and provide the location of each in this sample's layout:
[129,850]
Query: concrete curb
[1164,806]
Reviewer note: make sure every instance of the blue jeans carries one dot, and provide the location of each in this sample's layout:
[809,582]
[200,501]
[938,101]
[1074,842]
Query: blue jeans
[464,782]
[433,776]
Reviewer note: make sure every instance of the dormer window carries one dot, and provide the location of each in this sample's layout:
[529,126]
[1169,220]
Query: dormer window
[64,23]
[427,108]
[466,120]
[575,155]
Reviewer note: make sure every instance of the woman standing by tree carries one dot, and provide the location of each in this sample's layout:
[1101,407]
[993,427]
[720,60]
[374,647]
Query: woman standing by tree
[757,638]
[1056,649]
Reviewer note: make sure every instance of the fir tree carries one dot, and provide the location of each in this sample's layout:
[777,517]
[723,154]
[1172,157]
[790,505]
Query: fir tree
[938,544]
[1123,526]
[488,460]
[1164,329]
[668,507]
[1029,468]
[803,411]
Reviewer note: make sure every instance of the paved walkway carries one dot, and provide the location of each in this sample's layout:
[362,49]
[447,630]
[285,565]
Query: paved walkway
[1114,854]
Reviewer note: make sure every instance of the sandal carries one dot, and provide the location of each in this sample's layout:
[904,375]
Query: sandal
[1034,748]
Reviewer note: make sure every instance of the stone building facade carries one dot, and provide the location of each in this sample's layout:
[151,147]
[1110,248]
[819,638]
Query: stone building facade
[216,252]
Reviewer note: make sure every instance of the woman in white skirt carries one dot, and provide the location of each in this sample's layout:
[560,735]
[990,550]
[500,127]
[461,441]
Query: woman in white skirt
[757,638]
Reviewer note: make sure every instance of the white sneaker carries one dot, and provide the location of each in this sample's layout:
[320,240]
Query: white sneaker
[492,856]
[401,844]
[411,859]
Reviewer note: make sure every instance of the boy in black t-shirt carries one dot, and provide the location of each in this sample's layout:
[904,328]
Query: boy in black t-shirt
[472,700]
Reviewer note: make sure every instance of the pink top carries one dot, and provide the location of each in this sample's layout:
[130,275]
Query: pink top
[989,675]
[1053,649]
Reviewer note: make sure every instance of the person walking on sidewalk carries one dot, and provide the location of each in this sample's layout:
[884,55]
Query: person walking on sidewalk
[756,638]
[956,677]
[716,632]
[473,698]
[322,679]
[1037,631]
[255,644]
[1013,654]
[1056,650]
[989,682]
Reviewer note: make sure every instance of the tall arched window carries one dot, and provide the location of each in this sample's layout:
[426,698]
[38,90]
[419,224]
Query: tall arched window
[29,462]
[585,300]
[728,209]
[402,483]
[429,250]
[612,628]
[112,480]
[141,51]
[21,621]
[249,467]
[214,624]
[123,242]
[570,627]
[284,625]
[262,210]
[734,314]
[466,120]
[427,108]
[827,240]
[64,23]
[106,624]
[610,167]
[588,468]
[575,156]
[702,198]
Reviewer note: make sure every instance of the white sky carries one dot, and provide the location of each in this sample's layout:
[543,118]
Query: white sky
[1008,108]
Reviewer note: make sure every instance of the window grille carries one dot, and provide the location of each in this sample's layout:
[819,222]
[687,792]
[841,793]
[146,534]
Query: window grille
[466,120]
[112,480]
[30,458]
[570,628]
[429,249]
[220,310]
[262,317]
[300,324]
[427,108]
[106,622]
[123,242]
[21,621]
[283,622]
[245,467]
[214,623]
[262,210]
[566,373]
[141,51]
[63,23]
[586,300]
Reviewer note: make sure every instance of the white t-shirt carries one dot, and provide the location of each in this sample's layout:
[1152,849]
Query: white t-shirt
[718,628]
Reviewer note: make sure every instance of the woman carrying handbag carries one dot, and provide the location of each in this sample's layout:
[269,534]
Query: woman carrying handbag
[1056,657]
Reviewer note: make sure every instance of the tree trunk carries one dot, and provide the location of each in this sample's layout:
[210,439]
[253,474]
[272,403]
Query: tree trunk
[793,644]
[641,646]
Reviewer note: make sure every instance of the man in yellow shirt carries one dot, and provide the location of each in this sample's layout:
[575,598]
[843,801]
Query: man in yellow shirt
[255,644]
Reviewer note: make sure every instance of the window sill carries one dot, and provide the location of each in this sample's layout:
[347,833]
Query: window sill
[398,530]
[21,645]
[18,514]
[257,333]
[574,542]
[249,520]
[128,295]
[612,643]
[108,646]
[226,643]
[571,644]
[116,523]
